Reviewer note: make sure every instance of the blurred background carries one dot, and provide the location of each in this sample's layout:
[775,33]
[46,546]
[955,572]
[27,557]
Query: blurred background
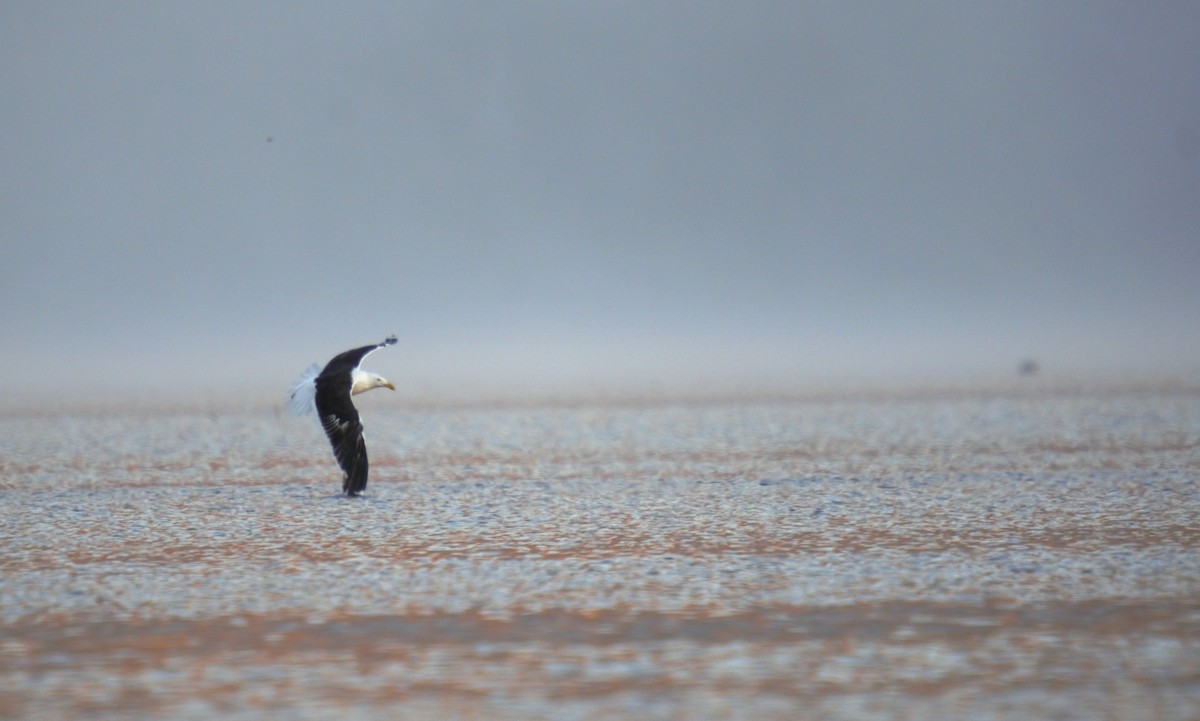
[609,194]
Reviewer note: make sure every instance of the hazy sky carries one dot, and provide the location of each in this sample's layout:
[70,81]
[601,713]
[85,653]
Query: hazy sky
[604,191]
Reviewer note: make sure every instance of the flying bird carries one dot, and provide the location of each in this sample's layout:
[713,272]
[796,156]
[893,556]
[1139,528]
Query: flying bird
[328,392]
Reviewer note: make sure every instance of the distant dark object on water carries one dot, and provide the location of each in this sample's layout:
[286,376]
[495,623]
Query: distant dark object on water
[1028,367]
[329,393]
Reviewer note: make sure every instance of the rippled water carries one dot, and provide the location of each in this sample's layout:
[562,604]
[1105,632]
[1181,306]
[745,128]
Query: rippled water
[1030,555]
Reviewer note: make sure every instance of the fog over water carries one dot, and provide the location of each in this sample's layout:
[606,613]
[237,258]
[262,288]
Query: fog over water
[598,193]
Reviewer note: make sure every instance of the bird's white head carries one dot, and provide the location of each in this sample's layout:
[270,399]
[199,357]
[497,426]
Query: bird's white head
[362,381]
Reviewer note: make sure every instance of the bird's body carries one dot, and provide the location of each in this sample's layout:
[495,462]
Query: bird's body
[329,392]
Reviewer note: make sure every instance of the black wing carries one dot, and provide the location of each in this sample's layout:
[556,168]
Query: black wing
[348,361]
[340,420]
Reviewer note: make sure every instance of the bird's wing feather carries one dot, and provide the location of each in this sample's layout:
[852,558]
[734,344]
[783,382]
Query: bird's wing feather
[341,422]
[348,361]
[349,448]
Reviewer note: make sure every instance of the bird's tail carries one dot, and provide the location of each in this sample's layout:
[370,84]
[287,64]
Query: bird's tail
[302,400]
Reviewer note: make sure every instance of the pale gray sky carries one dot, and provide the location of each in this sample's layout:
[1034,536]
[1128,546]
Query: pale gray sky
[597,191]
